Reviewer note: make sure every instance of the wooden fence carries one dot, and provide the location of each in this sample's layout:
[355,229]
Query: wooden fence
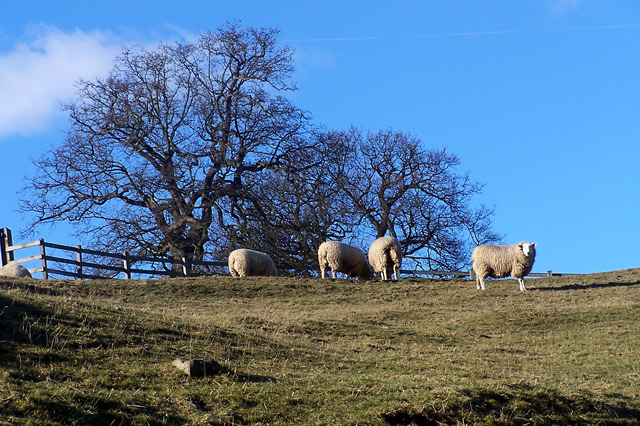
[49,262]
[76,266]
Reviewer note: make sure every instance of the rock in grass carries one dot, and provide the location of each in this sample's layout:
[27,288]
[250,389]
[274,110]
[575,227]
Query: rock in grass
[15,270]
[198,367]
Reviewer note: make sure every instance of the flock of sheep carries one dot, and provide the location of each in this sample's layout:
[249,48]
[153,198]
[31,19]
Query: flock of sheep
[385,258]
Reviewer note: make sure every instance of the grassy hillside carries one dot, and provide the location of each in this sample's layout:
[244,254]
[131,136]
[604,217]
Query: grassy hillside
[310,351]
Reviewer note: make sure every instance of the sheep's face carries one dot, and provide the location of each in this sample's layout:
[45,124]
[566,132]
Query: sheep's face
[366,276]
[527,248]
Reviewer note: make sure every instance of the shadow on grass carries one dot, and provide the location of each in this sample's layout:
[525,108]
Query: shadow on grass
[520,406]
[58,332]
[28,286]
[95,410]
[587,286]
[19,321]
[247,378]
[16,328]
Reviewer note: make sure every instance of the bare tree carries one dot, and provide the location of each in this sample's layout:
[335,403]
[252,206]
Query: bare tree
[414,194]
[160,151]
[299,208]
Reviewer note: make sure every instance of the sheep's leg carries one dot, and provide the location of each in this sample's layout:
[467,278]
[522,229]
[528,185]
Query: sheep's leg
[334,274]
[396,272]
[323,272]
[521,282]
[480,281]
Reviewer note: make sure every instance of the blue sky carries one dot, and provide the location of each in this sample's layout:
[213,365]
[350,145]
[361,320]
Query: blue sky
[539,98]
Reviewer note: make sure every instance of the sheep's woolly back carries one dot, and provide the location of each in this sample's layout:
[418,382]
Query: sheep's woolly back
[501,261]
[246,263]
[385,255]
[343,258]
[15,270]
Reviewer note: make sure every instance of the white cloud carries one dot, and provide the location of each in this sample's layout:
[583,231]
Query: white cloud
[305,59]
[560,7]
[39,74]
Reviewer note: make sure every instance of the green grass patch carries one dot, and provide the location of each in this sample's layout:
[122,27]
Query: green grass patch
[311,351]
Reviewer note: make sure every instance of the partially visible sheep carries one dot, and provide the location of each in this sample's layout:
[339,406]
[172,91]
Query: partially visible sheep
[341,257]
[245,263]
[15,270]
[501,261]
[385,257]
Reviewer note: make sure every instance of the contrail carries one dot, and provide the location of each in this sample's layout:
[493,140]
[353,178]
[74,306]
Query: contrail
[463,34]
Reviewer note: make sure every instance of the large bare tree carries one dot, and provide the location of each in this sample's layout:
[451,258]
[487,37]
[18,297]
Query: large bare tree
[159,152]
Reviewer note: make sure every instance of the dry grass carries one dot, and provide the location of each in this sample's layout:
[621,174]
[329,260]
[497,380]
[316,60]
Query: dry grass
[302,351]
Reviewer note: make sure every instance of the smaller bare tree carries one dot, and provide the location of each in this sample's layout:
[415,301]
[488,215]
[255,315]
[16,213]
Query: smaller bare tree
[417,195]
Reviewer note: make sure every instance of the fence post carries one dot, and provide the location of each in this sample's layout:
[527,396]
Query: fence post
[3,247]
[78,262]
[125,265]
[549,274]
[186,266]
[6,240]
[472,275]
[43,257]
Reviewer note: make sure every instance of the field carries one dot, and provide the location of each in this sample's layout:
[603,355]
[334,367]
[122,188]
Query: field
[311,351]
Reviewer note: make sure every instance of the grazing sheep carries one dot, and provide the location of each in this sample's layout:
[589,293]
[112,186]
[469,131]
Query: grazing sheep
[385,257]
[245,263]
[15,270]
[501,261]
[341,257]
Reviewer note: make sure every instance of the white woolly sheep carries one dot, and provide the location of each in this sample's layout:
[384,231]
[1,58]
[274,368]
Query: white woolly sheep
[501,261]
[385,257]
[15,270]
[341,257]
[245,263]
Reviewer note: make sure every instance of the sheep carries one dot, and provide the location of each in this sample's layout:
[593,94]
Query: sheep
[245,263]
[501,261]
[15,270]
[385,257]
[341,257]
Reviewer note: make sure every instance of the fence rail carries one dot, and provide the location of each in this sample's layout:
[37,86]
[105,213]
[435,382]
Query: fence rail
[126,264]
[52,262]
